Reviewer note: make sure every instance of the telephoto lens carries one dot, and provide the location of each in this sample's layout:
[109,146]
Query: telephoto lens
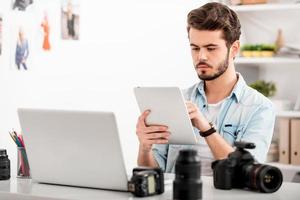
[4,165]
[264,178]
[187,184]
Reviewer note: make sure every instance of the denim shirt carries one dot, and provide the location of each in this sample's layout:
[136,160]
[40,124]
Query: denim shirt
[245,115]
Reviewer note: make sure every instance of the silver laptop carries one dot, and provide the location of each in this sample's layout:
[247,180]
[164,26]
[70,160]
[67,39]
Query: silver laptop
[78,148]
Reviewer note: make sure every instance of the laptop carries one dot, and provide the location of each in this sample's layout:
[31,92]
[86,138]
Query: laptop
[76,148]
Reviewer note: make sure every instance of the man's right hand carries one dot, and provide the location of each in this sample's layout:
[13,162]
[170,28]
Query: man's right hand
[150,134]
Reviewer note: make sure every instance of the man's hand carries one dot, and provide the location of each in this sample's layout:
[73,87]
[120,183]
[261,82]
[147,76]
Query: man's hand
[197,118]
[152,134]
[218,146]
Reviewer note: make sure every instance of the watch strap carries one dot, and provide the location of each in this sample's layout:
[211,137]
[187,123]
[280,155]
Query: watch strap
[209,131]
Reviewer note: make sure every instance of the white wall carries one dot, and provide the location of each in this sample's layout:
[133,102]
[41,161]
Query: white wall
[122,44]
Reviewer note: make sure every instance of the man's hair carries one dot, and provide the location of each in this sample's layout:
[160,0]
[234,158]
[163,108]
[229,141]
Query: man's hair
[216,16]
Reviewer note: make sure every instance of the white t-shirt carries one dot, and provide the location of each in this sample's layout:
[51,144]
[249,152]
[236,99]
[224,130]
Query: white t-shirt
[205,153]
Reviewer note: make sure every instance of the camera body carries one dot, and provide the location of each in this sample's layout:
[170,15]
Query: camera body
[146,181]
[240,170]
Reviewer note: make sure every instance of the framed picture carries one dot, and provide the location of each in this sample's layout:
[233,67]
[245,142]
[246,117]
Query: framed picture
[70,20]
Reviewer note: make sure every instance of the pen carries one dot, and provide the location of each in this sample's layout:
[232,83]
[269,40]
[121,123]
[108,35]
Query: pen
[23,168]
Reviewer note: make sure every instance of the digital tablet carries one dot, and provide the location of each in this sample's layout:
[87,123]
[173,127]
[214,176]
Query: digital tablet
[168,108]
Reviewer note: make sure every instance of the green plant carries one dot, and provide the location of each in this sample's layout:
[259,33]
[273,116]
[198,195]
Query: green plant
[246,47]
[268,47]
[250,47]
[258,47]
[266,88]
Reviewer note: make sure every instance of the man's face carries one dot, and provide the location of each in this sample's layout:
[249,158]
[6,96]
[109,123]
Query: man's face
[210,53]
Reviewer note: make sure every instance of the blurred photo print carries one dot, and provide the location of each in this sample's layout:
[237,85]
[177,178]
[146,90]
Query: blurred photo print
[21,43]
[45,25]
[70,19]
[21,5]
[22,50]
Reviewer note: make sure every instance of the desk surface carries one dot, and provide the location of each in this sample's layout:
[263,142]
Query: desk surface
[27,190]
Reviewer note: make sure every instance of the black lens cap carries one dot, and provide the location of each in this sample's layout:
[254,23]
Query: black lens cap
[3,152]
[188,152]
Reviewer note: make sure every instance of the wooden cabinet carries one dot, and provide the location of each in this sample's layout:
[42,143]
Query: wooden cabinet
[295,141]
[289,141]
[284,140]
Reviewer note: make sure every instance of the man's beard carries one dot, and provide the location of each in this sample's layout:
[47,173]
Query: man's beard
[223,66]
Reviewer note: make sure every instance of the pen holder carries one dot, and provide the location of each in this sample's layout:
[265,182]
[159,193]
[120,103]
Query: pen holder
[23,165]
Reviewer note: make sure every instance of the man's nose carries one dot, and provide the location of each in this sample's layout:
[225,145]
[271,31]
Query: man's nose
[202,55]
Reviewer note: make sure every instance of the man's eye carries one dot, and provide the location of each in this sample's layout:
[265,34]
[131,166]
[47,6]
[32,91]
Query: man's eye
[211,49]
[195,49]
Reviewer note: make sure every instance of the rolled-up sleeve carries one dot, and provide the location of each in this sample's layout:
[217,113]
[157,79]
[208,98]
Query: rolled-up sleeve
[160,153]
[260,131]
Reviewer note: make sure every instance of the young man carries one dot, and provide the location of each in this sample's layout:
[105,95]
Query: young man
[222,108]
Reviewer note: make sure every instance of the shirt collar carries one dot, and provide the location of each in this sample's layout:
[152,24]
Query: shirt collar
[238,88]
[236,91]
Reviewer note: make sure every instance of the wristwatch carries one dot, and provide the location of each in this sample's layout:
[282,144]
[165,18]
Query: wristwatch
[209,131]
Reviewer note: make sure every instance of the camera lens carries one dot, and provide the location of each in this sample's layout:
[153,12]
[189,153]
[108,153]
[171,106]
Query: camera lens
[4,165]
[264,178]
[187,184]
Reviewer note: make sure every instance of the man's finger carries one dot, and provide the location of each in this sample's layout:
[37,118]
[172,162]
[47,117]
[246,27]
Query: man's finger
[189,105]
[161,135]
[142,118]
[151,129]
[158,141]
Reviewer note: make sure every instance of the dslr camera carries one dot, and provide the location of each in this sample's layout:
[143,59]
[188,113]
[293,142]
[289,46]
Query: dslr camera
[240,170]
[146,181]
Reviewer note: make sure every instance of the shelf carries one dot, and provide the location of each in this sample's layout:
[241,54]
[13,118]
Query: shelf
[272,60]
[265,7]
[288,114]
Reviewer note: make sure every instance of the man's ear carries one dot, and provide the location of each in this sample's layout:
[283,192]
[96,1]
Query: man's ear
[235,49]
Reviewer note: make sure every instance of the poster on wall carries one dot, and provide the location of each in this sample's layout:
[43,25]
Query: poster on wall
[22,5]
[47,31]
[22,38]
[46,15]
[45,25]
[70,19]
[1,22]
